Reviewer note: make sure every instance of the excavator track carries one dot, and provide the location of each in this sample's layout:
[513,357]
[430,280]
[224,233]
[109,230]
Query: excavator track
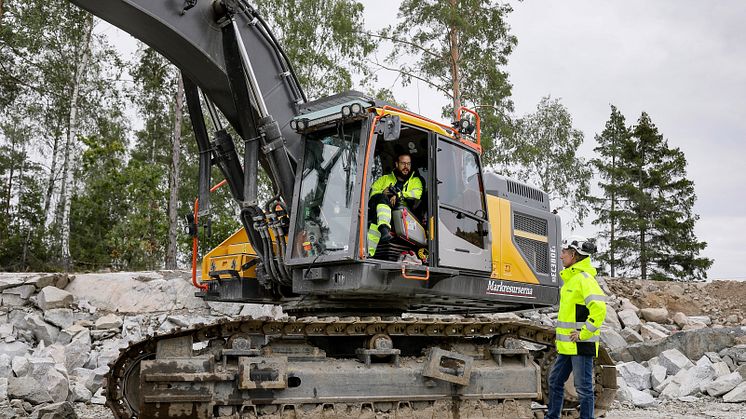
[421,367]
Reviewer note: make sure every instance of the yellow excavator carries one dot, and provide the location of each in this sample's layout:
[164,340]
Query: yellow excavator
[408,327]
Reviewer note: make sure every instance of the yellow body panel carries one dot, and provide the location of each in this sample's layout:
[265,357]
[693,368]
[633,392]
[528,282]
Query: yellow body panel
[507,261]
[231,254]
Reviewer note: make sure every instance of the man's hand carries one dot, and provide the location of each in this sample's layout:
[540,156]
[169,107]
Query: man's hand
[575,336]
[392,200]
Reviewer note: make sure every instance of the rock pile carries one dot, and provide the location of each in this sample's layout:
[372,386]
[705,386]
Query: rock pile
[58,335]
[664,354]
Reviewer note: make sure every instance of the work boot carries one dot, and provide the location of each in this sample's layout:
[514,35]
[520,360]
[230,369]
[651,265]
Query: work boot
[386,235]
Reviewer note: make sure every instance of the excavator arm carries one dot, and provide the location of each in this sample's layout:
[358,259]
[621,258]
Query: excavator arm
[226,50]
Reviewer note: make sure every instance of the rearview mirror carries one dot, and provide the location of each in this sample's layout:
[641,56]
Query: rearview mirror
[390,127]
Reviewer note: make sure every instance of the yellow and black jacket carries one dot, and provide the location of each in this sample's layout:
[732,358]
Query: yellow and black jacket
[582,308]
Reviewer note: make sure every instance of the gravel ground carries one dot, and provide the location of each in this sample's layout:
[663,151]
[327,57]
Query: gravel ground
[702,409]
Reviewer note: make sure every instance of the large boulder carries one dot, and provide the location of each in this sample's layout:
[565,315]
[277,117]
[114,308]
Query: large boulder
[6,370]
[147,292]
[638,398]
[723,384]
[657,375]
[17,296]
[631,336]
[674,361]
[54,382]
[706,320]
[635,375]
[10,281]
[60,317]
[14,349]
[693,343]
[680,319]
[79,392]
[658,315]
[736,353]
[43,331]
[649,332]
[20,366]
[78,350]
[109,321]
[60,410]
[29,389]
[737,395]
[53,297]
[629,319]
[612,340]
[695,379]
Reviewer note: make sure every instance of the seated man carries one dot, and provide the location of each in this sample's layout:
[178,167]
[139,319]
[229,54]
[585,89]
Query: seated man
[399,188]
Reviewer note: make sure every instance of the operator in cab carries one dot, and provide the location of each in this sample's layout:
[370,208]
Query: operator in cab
[582,311]
[401,187]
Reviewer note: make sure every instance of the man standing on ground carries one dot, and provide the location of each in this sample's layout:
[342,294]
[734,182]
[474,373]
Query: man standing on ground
[401,186]
[582,311]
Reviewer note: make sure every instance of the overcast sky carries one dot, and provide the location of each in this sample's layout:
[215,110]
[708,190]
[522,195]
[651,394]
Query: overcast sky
[683,62]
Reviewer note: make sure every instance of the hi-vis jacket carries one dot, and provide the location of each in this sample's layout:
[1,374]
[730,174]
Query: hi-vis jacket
[582,308]
[412,187]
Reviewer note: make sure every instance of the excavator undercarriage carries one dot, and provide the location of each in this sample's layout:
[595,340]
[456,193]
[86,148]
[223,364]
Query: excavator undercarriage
[416,367]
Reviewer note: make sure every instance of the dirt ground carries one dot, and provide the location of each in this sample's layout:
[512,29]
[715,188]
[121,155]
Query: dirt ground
[719,299]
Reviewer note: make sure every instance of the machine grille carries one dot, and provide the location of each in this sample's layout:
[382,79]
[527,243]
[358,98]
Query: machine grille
[525,191]
[536,251]
[529,224]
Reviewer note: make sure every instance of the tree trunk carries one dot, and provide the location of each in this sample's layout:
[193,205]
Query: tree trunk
[9,189]
[454,47]
[72,132]
[50,181]
[613,206]
[173,199]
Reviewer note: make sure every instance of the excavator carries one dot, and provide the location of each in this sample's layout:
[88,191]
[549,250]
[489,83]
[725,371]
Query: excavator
[417,326]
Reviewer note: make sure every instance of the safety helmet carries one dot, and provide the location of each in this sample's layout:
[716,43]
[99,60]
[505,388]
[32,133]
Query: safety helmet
[580,244]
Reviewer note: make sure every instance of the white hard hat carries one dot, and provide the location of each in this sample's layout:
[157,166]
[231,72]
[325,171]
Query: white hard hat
[580,244]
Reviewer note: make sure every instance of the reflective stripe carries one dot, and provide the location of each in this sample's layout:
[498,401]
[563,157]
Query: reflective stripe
[566,338]
[591,328]
[595,297]
[570,325]
[585,274]
[374,236]
[412,193]
[383,213]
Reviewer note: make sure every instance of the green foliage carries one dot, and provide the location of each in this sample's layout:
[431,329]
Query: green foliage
[461,49]
[544,151]
[100,204]
[323,40]
[614,137]
[654,218]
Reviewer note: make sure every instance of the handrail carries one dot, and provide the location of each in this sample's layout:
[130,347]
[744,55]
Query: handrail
[195,239]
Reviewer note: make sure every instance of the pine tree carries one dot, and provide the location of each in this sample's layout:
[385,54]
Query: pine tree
[459,48]
[608,166]
[656,225]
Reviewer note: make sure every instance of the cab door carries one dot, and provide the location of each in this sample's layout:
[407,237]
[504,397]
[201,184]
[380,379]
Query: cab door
[463,232]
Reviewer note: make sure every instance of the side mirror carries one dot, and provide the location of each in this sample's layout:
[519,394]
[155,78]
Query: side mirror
[390,127]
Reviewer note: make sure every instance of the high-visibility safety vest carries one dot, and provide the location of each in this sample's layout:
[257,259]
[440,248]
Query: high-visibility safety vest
[582,308]
[412,188]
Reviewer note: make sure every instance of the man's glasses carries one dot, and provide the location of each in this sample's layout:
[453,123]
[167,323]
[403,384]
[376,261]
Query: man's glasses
[404,164]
